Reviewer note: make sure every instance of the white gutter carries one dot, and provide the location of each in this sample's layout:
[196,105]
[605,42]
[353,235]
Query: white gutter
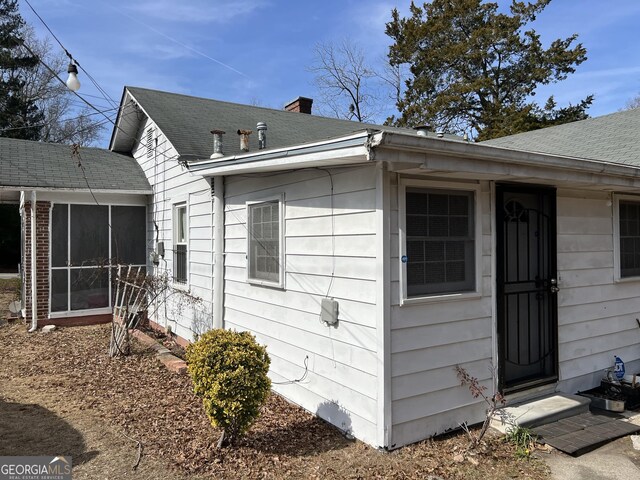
[34,267]
[218,249]
[464,150]
[78,190]
[326,152]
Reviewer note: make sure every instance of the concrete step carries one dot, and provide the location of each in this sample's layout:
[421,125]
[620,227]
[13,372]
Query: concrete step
[540,411]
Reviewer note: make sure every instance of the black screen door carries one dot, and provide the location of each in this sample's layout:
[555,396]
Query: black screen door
[527,286]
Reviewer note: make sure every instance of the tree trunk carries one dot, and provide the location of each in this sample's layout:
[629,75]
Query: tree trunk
[222,440]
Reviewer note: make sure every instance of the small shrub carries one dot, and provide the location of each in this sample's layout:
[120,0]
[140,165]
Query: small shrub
[523,439]
[229,372]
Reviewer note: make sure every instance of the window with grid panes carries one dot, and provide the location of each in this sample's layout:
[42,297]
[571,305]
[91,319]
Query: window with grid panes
[264,241]
[180,243]
[440,241]
[629,218]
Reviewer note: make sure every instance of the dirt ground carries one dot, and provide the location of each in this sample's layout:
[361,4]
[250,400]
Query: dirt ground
[60,394]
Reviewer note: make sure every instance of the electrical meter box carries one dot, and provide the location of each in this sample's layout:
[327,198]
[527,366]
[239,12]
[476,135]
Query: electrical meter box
[329,311]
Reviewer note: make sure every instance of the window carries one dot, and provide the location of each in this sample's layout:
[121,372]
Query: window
[180,243]
[439,241]
[629,238]
[264,245]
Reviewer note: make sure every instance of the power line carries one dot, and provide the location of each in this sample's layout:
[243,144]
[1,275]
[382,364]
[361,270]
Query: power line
[64,120]
[100,89]
[62,81]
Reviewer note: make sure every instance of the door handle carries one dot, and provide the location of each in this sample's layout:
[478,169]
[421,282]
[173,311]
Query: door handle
[554,286]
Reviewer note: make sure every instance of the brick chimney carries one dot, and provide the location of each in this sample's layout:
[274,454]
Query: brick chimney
[300,105]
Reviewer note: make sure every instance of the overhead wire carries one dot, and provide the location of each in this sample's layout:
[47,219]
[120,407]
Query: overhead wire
[106,96]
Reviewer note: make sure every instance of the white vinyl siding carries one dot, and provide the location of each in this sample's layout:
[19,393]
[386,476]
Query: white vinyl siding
[172,183]
[329,251]
[596,313]
[430,336]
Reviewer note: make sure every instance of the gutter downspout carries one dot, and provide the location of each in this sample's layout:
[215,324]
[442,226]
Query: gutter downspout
[218,252]
[34,269]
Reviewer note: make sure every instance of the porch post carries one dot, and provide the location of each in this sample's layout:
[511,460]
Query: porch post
[34,267]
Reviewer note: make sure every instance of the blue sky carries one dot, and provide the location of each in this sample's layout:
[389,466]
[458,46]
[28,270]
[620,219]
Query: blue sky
[259,51]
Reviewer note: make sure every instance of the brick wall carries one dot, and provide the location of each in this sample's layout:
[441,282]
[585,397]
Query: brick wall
[43,210]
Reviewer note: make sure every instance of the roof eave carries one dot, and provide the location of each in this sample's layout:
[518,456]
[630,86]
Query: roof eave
[345,150]
[476,151]
[18,188]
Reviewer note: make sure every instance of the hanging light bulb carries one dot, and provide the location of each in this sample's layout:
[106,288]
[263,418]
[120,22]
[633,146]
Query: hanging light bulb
[72,82]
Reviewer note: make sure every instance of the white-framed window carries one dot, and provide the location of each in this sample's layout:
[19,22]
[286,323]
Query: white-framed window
[439,239]
[180,242]
[627,237]
[265,242]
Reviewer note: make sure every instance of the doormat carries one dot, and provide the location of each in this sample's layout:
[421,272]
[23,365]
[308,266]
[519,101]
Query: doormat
[582,433]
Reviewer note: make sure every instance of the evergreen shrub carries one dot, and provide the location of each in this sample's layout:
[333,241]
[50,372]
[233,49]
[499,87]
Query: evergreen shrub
[229,372]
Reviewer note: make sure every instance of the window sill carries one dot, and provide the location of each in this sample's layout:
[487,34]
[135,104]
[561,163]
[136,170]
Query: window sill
[626,279]
[264,283]
[447,297]
[185,287]
[81,313]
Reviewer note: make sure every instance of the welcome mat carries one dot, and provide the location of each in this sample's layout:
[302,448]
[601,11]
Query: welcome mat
[582,433]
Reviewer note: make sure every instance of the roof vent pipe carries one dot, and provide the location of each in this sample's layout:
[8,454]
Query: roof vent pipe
[217,144]
[262,135]
[422,130]
[244,139]
[440,134]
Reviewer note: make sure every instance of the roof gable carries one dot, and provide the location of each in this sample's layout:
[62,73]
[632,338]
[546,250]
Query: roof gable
[187,121]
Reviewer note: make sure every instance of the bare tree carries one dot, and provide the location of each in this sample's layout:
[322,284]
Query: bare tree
[63,121]
[632,103]
[348,86]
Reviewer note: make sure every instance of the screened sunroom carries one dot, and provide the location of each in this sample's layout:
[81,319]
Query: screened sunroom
[86,241]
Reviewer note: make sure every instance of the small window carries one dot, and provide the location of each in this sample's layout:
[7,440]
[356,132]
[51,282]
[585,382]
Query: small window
[265,251]
[629,233]
[180,243]
[440,241]
[150,143]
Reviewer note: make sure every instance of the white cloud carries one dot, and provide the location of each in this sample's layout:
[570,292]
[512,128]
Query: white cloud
[200,11]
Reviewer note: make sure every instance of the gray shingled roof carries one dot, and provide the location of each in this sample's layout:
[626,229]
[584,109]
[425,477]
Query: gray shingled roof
[187,122]
[611,138]
[32,165]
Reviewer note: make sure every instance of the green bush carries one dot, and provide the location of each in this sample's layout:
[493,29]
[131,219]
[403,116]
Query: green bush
[229,372]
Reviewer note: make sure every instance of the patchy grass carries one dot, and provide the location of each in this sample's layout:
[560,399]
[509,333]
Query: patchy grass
[68,374]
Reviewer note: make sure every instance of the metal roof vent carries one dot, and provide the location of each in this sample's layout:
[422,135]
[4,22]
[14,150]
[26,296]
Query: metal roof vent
[422,130]
[217,144]
[440,134]
[262,135]
[244,139]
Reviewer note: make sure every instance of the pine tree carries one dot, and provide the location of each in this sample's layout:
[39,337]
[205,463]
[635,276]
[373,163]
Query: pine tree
[475,69]
[19,116]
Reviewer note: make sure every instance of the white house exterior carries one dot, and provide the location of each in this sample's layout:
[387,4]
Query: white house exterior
[518,266]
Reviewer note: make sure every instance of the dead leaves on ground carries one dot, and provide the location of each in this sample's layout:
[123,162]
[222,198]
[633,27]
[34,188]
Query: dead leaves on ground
[138,397]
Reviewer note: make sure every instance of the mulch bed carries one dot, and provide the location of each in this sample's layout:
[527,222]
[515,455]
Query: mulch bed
[165,340]
[139,397]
